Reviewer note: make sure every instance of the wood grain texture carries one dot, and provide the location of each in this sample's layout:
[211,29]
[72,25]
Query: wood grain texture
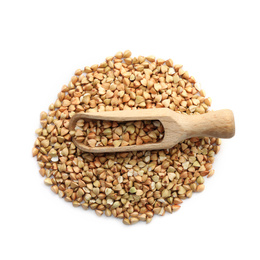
[177,127]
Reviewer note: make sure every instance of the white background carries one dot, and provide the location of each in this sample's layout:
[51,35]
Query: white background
[44,42]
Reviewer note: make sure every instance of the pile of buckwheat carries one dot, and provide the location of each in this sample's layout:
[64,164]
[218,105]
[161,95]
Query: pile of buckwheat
[132,186]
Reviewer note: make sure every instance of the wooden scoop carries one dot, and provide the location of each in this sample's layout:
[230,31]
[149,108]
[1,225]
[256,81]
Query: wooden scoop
[177,127]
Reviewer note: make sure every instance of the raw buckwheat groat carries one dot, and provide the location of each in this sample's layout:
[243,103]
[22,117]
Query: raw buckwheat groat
[107,133]
[132,186]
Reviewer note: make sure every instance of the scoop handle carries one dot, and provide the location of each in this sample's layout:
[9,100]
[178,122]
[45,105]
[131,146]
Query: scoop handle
[219,124]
